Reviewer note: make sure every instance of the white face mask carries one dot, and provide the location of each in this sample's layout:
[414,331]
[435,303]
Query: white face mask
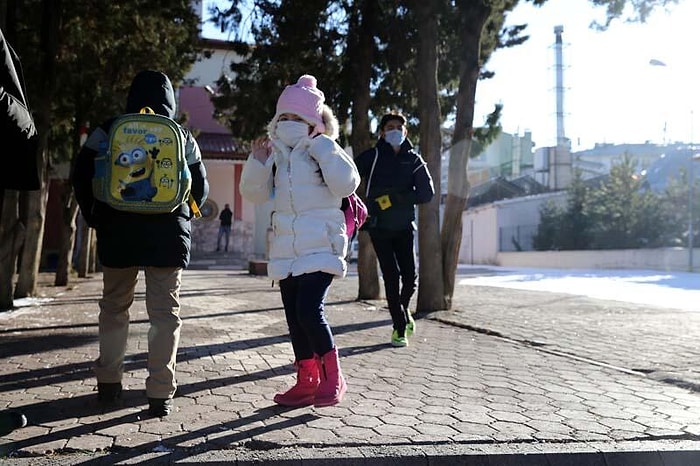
[394,137]
[291,132]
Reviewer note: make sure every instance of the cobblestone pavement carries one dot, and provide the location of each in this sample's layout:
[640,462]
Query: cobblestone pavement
[508,377]
[662,343]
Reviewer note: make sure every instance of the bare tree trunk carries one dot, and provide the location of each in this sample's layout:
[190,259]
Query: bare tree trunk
[431,281]
[368,276]
[31,252]
[92,263]
[36,206]
[360,58]
[11,239]
[85,249]
[69,210]
[474,16]
[69,213]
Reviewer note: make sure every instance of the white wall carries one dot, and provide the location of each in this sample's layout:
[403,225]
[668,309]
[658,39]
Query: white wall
[208,71]
[479,235]
[480,242]
[649,259]
[525,210]
[481,226]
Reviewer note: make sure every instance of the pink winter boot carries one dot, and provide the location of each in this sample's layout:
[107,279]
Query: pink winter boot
[333,386]
[301,394]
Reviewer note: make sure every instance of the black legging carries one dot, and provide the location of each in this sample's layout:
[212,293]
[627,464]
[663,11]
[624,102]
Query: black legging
[397,260]
[303,298]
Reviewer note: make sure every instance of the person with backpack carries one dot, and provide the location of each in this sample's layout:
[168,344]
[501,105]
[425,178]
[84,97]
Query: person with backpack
[224,228]
[312,174]
[396,179]
[130,239]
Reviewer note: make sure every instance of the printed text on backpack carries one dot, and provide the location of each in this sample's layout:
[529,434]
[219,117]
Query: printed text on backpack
[142,167]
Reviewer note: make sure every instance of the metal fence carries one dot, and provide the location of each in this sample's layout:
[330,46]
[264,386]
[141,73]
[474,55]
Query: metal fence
[516,238]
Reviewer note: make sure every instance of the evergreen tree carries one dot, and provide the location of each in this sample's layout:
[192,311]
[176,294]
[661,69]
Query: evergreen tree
[290,38]
[622,213]
[675,199]
[575,231]
[549,229]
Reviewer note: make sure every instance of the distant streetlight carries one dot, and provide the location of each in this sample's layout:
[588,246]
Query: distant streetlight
[659,63]
[691,178]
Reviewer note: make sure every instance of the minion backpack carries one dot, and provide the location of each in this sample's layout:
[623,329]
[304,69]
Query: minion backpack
[142,165]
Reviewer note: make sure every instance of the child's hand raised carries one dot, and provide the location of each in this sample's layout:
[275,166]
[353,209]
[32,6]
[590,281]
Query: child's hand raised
[262,149]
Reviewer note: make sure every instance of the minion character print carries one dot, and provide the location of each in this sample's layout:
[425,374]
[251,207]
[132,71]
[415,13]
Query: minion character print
[134,169]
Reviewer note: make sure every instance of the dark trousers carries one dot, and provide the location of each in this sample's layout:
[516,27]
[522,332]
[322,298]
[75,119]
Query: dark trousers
[397,261]
[224,233]
[303,298]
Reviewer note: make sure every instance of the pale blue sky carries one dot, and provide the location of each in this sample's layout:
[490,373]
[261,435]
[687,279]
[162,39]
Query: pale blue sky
[612,93]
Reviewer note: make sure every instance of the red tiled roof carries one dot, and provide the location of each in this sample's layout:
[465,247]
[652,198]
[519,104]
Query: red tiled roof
[220,146]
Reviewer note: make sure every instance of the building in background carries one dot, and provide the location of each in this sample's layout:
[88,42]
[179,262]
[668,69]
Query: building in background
[509,156]
[601,158]
[223,155]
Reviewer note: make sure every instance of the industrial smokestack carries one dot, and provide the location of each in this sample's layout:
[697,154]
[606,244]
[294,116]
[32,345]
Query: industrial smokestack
[562,141]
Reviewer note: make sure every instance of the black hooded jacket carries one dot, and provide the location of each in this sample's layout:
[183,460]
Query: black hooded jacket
[126,239]
[402,176]
[16,125]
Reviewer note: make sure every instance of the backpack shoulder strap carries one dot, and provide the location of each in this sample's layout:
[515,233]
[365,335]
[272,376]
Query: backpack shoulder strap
[371,171]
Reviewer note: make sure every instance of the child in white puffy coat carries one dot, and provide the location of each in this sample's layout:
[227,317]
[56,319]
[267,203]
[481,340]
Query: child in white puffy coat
[311,175]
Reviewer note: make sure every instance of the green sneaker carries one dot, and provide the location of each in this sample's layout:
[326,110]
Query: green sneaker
[410,326]
[398,341]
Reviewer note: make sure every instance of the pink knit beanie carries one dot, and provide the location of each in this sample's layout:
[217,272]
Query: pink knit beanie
[303,99]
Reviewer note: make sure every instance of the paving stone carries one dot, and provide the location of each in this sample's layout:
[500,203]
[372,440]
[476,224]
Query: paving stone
[160,427]
[89,442]
[136,440]
[391,430]
[451,387]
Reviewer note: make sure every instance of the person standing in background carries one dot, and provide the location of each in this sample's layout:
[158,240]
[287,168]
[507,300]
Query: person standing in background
[224,227]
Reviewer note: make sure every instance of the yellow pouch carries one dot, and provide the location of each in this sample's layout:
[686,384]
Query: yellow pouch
[195,208]
[383,201]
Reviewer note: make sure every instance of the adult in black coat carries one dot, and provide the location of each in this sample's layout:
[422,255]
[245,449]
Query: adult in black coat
[19,135]
[128,242]
[20,140]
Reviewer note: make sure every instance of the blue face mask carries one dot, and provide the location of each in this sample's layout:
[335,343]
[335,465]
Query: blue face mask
[394,137]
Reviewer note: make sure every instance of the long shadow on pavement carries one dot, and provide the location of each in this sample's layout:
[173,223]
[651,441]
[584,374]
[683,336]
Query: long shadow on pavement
[79,407]
[81,371]
[16,330]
